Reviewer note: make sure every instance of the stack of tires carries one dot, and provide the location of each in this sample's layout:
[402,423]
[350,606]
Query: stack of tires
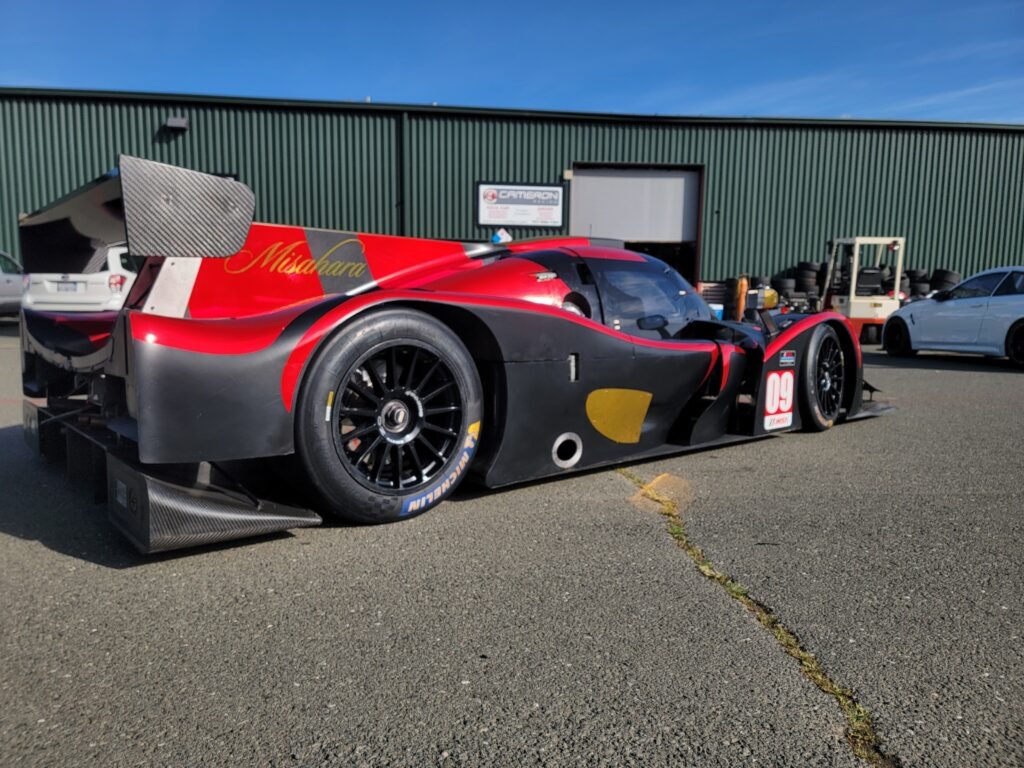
[804,282]
[760,282]
[784,284]
[799,284]
[889,281]
[944,279]
[919,283]
[808,277]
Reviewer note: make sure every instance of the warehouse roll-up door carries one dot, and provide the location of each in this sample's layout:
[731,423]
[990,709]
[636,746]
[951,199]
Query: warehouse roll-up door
[653,210]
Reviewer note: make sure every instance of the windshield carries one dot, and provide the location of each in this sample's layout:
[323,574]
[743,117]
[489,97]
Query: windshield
[632,291]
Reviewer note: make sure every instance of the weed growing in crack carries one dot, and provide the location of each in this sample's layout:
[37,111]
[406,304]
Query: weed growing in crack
[860,730]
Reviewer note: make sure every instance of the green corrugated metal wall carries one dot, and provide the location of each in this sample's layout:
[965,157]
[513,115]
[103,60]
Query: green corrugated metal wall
[773,195]
[311,167]
[774,191]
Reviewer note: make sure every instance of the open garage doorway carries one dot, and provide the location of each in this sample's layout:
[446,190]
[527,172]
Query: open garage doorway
[654,210]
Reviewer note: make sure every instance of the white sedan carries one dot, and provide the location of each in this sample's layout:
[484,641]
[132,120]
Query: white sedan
[983,315]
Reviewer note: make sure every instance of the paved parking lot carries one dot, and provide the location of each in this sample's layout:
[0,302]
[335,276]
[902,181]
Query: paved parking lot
[556,624]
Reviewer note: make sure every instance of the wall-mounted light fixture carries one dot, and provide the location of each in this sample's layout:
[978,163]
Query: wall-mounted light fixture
[176,123]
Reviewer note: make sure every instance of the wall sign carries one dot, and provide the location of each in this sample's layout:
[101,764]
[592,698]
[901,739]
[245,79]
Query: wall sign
[519,205]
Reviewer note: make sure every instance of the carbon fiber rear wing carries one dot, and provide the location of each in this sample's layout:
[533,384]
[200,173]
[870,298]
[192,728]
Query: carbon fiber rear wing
[160,210]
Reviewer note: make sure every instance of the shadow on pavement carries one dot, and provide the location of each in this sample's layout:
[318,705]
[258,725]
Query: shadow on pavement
[8,327]
[39,503]
[932,361]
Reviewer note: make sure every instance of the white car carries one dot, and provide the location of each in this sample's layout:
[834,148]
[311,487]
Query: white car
[102,286]
[10,285]
[983,315]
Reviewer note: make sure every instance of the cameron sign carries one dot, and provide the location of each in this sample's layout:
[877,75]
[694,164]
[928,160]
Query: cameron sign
[518,205]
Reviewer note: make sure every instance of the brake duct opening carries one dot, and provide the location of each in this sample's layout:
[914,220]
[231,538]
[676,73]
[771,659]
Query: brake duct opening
[567,450]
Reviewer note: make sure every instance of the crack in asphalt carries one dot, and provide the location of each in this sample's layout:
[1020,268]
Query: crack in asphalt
[860,730]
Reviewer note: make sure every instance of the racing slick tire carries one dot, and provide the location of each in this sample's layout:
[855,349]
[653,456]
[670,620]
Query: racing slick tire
[823,380]
[896,339]
[388,418]
[1015,344]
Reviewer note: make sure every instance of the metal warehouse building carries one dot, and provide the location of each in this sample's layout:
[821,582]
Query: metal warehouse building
[716,196]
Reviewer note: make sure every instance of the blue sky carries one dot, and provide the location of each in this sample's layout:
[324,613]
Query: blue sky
[893,60]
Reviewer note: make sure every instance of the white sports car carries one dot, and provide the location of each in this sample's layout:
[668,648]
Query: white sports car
[983,315]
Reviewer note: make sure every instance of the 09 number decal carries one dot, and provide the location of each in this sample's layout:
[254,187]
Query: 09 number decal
[779,389]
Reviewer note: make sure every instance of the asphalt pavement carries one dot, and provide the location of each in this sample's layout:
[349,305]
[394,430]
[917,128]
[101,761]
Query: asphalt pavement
[554,624]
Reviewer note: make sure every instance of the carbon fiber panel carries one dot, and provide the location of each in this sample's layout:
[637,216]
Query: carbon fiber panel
[171,211]
[158,516]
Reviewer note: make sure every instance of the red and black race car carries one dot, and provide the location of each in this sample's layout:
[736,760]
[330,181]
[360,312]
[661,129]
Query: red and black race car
[388,369]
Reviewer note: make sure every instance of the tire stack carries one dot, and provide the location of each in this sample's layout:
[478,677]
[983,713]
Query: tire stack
[803,283]
[919,283]
[799,284]
[889,283]
[759,282]
[784,285]
[944,279]
[807,278]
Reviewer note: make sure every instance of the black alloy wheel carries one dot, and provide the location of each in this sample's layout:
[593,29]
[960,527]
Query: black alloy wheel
[388,417]
[830,378]
[1015,345]
[398,416]
[823,380]
[896,338]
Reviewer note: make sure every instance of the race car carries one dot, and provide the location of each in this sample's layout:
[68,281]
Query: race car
[259,375]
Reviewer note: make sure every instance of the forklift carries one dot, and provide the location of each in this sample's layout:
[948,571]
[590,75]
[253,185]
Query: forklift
[855,285]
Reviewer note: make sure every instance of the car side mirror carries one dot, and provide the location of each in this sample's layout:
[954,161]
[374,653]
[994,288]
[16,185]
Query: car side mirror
[940,295]
[652,323]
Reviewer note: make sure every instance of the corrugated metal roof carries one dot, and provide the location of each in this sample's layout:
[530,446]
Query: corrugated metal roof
[464,111]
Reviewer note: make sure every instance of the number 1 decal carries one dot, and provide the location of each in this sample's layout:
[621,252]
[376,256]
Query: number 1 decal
[778,400]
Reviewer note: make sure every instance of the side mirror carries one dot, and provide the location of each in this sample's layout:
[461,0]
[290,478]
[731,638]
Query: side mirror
[652,323]
[940,295]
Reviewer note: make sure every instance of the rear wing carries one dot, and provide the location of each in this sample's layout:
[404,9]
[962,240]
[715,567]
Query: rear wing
[160,210]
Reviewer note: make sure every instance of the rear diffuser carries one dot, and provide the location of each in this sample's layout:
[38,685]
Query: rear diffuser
[158,508]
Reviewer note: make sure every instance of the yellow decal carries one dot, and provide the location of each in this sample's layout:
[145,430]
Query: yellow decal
[287,260]
[618,414]
[420,503]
